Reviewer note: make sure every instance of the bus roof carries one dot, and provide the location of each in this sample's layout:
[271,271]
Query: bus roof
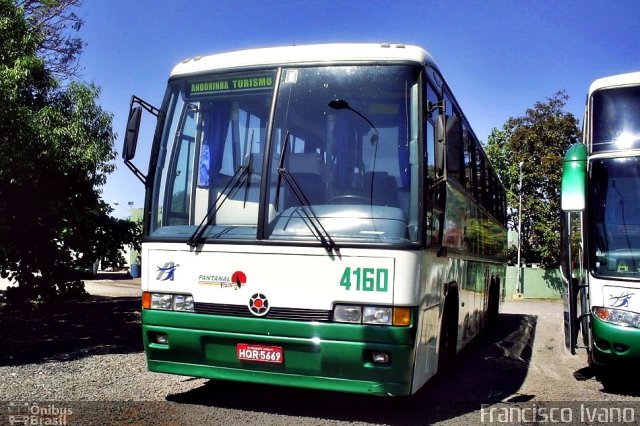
[627,79]
[307,54]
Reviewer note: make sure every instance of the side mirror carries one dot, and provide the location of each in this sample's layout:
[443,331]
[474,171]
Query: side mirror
[131,134]
[133,129]
[574,178]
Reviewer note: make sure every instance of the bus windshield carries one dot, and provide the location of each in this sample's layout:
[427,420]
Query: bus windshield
[615,217]
[342,153]
[616,122]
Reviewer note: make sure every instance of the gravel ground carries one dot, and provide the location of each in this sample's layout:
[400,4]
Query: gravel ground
[112,377]
[88,360]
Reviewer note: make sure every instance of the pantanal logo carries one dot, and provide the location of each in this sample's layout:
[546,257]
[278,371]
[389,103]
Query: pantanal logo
[235,280]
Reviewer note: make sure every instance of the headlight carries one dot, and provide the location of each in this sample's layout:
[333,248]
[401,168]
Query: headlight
[372,315]
[380,315]
[347,313]
[182,302]
[161,301]
[617,316]
[168,302]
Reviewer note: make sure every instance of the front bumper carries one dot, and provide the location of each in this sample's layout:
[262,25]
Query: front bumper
[317,355]
[614,344]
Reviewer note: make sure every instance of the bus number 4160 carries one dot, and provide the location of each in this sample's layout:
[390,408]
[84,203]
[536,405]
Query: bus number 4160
[365,279]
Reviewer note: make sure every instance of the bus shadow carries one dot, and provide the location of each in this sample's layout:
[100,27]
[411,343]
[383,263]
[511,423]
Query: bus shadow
[622,381]
[70,330]
[490,369]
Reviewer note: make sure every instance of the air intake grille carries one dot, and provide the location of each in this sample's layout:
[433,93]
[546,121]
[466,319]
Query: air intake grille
[292,314]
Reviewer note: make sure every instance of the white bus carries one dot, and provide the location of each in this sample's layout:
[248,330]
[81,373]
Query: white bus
[316,216]
[601,226]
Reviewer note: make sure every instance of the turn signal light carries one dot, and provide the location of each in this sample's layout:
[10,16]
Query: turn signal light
[401,316]
[146,300]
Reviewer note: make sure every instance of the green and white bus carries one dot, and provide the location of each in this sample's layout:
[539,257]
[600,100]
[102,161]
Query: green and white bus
[601,226]
[316,216]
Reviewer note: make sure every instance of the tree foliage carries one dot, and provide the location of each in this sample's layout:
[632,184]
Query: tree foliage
[57,25]
[539,140]
[56,149]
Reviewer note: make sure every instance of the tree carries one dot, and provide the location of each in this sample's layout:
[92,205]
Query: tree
[56,150]
[539,139]
[57,25]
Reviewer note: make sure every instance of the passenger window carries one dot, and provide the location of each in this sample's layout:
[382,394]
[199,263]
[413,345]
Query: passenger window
[430,135]
[479,187]
[180,193]
[448,101]
[434,212]
[432,100]
[469,160]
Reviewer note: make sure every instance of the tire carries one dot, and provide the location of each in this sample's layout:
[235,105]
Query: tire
[599,371]
[493,309]
[448,337]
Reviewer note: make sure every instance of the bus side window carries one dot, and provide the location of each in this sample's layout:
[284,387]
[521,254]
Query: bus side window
[454,140]
[479,171]
[469,158]
[433,212]
[448,104]
[488,185]
[432,99]
[430,138]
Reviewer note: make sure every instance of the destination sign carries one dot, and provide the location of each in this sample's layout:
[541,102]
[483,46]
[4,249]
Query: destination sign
[227,85]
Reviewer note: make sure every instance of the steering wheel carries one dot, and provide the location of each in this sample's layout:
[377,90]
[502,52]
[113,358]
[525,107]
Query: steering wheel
[349,199]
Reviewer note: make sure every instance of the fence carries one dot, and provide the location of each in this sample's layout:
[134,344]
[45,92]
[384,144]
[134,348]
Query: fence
[537,283]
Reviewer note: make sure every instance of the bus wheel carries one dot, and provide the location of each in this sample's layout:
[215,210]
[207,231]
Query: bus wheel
[448,337]
[494,304]
[596,369]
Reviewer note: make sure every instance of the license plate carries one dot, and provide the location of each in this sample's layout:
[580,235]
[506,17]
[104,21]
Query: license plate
[259,353]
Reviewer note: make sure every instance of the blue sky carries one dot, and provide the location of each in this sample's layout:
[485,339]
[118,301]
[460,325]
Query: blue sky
[499,57]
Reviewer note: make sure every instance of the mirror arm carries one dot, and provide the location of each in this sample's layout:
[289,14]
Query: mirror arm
[437,182]
[434,106]
[144,104]
[136,171]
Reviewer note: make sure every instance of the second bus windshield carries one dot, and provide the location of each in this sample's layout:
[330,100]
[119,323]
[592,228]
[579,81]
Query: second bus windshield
[615,217]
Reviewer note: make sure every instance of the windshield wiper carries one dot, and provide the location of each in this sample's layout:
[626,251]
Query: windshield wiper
[312,220]
[285,143]
[242,173]
[250,170]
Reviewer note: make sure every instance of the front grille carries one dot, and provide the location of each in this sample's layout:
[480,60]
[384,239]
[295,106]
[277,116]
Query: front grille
[292,314]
